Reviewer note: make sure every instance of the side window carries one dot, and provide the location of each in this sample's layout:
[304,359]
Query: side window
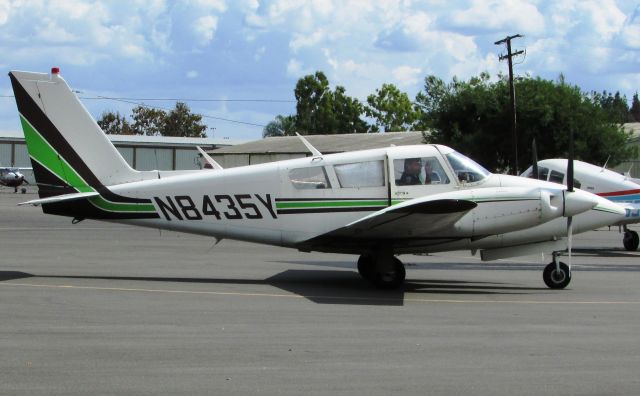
[360,174]
[543,173]
[309,178]
[415,171]
[556,177]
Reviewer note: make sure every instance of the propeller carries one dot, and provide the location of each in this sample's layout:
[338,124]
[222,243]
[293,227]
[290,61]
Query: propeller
[534,154]
[569,191]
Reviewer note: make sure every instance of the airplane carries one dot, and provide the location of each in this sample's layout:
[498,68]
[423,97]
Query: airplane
[601,181]
[13,177]
[371,203]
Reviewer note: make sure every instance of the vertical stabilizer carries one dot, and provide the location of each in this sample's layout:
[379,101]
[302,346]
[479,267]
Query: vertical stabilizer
[61,133]
[70,153]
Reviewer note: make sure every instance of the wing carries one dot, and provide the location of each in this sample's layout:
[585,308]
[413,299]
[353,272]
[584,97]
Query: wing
[422,219]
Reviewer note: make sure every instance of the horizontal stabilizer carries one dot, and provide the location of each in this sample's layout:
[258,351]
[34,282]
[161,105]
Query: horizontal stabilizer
[61,198]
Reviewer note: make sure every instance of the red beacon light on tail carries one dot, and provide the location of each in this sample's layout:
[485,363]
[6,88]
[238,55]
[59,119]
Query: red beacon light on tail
[55,74]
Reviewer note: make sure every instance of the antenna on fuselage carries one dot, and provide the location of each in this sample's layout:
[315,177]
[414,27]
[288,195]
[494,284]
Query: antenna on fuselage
[209,163]
[313,150]
[605,164]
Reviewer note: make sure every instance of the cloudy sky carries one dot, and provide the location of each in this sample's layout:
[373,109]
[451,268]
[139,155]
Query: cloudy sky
[229,51]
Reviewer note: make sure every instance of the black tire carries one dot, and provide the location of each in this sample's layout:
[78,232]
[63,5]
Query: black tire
[366,266]
[554,279]
[630,240]
[391,279]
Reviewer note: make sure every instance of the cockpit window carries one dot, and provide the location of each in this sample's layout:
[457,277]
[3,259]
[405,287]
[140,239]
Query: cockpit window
[466,169]
[360,174]
[543,173]
[419,170]
[309,178]
[556,177]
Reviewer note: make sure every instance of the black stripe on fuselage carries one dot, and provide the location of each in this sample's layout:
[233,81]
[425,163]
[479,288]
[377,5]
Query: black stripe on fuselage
[83,209]
[329,210]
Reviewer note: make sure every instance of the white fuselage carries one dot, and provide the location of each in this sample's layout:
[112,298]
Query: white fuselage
[288,202]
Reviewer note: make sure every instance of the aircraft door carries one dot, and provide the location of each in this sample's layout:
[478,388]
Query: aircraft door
[413,175]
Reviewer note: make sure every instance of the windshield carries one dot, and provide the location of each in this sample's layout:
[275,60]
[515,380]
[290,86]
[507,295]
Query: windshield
[466,169]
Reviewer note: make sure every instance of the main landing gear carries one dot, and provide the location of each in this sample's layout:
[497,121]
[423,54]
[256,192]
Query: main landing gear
[630,240]
[556,275]
[383,269]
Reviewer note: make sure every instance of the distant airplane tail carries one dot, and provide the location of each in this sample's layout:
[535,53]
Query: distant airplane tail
[69,152]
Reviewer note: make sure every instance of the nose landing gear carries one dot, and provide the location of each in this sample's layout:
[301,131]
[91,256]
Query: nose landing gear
[556,275]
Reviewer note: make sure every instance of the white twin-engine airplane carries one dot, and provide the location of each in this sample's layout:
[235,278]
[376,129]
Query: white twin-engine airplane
[375,203]
[618,188]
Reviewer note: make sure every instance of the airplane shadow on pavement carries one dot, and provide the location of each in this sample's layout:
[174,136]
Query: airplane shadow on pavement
[321,286]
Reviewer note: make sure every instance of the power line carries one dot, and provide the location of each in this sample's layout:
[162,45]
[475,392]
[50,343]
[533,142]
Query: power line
[133,101]
[168,109]
[179,99]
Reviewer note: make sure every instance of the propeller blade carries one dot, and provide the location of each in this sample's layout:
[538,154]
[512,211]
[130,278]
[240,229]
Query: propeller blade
[534,153]
[569,237]
[570,163]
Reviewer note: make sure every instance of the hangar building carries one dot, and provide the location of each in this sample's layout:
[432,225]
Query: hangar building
[141,152]
[288,147]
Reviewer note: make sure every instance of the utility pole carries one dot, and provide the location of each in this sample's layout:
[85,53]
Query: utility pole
[512,94]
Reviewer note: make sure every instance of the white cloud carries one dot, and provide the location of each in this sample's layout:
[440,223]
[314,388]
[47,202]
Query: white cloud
[191,74]
[205,28]
[259,53]
[302,40]
[5,9]
[294,68]
[213,5]
[498,15]
[406,75]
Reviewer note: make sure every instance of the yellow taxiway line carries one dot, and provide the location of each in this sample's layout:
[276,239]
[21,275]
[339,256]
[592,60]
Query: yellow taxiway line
[280,295]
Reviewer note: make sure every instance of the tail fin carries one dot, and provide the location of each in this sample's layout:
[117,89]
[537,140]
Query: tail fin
[68,150]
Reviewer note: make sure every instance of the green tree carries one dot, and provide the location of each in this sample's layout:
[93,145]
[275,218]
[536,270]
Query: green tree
[280,126]
[181,122]
[319,110]
[148,121]
[115,124]
[391,109]
[473,117]
[634,111]
[614,104]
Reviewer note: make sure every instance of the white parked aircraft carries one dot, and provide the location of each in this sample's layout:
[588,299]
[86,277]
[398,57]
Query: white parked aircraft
[375,203]
[13,177]
[601,181]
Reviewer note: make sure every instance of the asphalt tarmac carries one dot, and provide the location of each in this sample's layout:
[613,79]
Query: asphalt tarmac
[103,308]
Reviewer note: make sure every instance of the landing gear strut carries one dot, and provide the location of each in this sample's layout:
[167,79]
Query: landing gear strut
[383,269]
[556,275]
[630,240]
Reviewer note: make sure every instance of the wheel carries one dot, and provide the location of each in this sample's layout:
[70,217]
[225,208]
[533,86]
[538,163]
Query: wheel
[366,266]
[23,190]
[555,279]
[630,240]
[391,279]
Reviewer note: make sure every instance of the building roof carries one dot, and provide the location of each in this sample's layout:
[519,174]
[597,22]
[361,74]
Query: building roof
[324,143]
[634,128]
[139,140]
[173,140]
